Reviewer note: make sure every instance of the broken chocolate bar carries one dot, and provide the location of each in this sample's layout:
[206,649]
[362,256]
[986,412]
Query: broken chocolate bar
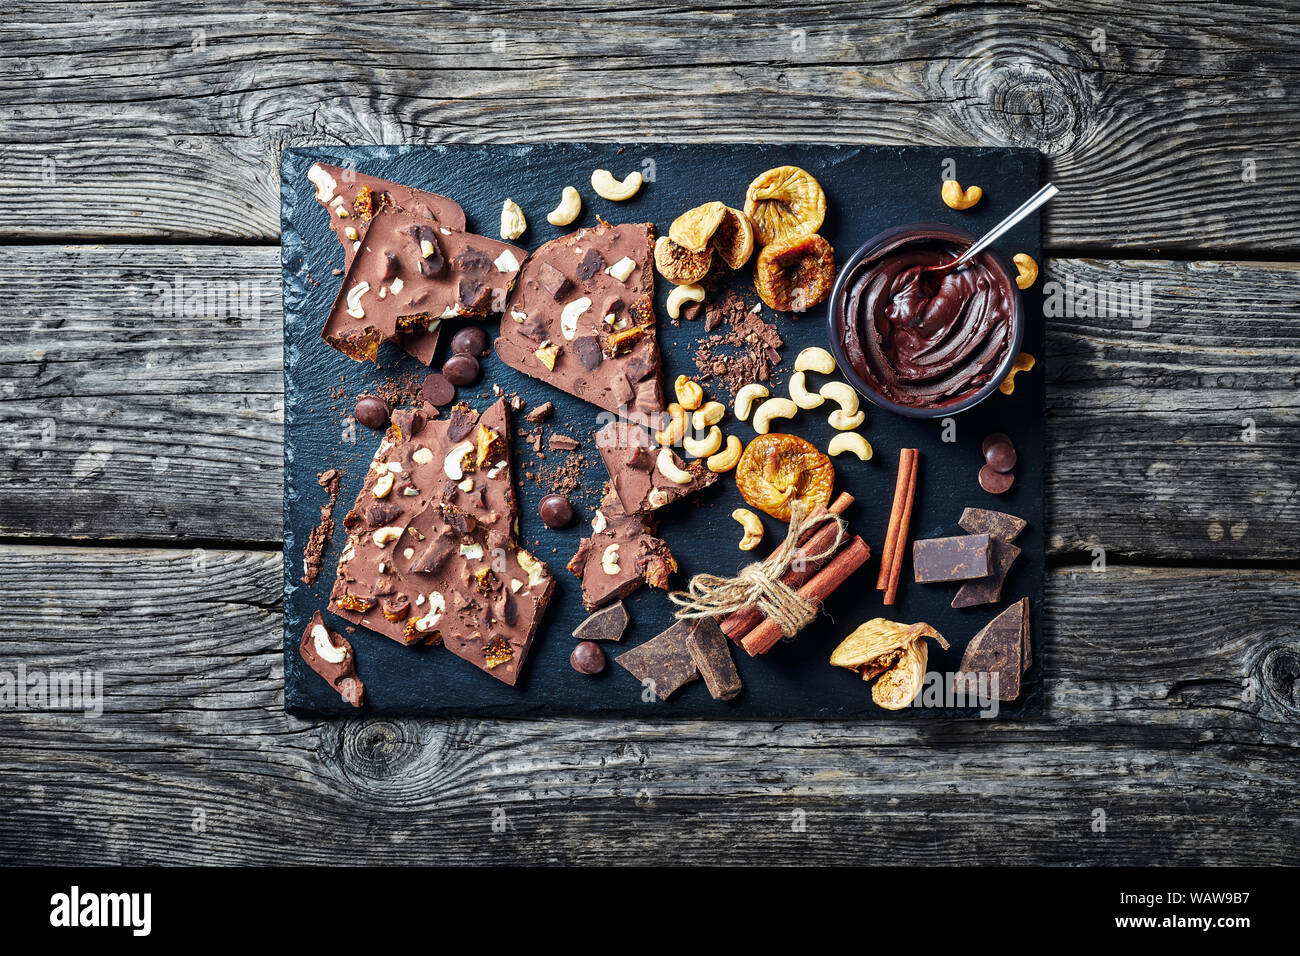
[330,655]
[607,624]
[662,664]
[621,555]
[995,524]
[988,590]
[708,649]
[411,273]
[644,476]
[431,555]
[1000,650]
[582,318]
[962,558]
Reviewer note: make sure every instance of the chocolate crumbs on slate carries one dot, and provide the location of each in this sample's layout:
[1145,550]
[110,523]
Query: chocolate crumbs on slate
[314,553]
[745,350]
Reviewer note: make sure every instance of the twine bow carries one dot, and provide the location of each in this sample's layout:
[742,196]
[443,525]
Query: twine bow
[759,584]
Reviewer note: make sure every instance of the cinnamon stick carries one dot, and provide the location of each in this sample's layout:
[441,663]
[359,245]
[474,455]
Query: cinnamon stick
[816,590]
[896,568]
[890,552]
[739,623]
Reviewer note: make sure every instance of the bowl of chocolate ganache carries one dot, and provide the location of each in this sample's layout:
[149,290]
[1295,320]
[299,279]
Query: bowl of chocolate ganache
[924,344]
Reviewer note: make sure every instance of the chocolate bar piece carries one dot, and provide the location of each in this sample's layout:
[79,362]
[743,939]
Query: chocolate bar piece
[988,590]
[644,476]
[708,649]
[995,524]
[431,555]
[607,624]
[1000,649]
[411,273]
[582,318]
[621,555]
[663,664]
[354,199]
[962,558]
[330,655]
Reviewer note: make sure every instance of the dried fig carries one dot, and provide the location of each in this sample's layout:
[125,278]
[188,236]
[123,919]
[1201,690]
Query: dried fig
[795,275]
[734,239]
[678,264]
[777,470]
[784,203]
[694,228]
[896,653]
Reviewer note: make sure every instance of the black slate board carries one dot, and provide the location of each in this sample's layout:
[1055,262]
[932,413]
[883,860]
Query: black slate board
[868,189]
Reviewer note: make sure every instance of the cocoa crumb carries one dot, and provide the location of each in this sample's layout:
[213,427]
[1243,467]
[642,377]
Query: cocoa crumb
[541,413]
[313,555]
[745,351]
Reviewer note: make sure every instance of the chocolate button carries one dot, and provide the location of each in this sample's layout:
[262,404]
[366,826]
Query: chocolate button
[997,438]
[556,511]
[372,412]
[995,482]
[587,658]
[461,369]
[1001,456]
[436,390]
[471,340]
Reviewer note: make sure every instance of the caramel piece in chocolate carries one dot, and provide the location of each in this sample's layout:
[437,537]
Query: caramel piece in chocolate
[330,655]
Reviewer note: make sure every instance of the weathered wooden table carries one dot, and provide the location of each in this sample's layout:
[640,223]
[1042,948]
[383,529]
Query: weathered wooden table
[140,412]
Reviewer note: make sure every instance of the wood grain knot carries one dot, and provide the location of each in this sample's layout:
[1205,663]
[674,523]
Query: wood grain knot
[1280,674]
[1031,102]
[379,749]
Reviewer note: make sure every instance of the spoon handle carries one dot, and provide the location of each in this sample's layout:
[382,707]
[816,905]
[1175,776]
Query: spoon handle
[990,237]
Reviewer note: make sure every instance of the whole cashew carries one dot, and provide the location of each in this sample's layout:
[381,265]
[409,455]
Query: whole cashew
[850,442]
[668,468]
[682,294]
[956,197]
[568,209]
[607,187]
[1028,270]
[710,413]
[802,397]
[842,394]
[753,528]
[513,223]
[841,421]
[609,560]
[770,409]
[728,458]
[676,427]
[746,397]
[689,394]
[706,446]
[815,360]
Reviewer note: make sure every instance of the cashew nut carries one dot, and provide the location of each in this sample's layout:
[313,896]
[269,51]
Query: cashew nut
[746,397]
[609,560]
[668,468]
[383,485]
[815,360]
[452,464]
[710,413]
[802,397]
[840,420]
[1028,270]
[728,458]
[607,187]
[706,446]
[386,535]
[676,427]
[753,528]
[513,223]
[770,409]
[842,394]
[956,197]
[325,649]
[682,294]
[850,442]
[689,393]
[568,209]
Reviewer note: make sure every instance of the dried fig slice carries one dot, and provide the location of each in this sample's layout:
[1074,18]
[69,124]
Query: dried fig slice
[895,653]
[734,239]
[777,470]
[694,228]
[784,203]
[678,264]
[795,275]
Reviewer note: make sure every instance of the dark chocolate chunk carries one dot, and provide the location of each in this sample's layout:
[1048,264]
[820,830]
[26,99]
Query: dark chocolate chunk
[437,390]
[380,513]
[473,260]
[541,413]
[563,443]
[592,262]
[552,281]
[607,624]
[988,590]
[410,422]
[995,524]
[461,370]
[995,482]
[506,609]
[960,558]
[372,412]
[434,556]
[473,294]
[999,650]
[587,658]
[461,422]
[621,391]
[431,261]
[709,650]
[392,266]
[662,664]
[587,348]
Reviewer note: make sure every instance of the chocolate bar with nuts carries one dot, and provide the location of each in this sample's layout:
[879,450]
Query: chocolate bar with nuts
[411,273]
[621,555]
[330,655]
[431,555]
[645,476]
[936,560]
[582,318]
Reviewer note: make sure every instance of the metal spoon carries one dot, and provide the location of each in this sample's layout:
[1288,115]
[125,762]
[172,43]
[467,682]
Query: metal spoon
[996,233]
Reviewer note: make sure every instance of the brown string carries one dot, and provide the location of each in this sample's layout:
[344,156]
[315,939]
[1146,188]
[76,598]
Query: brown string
[759,584]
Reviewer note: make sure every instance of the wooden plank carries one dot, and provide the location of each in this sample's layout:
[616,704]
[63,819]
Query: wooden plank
[158,123]
[135,418]
[1172,710]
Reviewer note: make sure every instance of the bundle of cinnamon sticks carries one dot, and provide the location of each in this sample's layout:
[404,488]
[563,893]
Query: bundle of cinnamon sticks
[815,581]
[900,520]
